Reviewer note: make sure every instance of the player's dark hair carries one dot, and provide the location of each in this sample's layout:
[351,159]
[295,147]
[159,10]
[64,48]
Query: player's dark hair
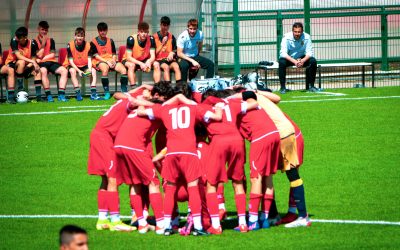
[21,32]
[297,25]
[102,26]
[239,89]
[226,93]
[181,87]
[143,26]
[162,88]
[249,94]
[44,24]
[193,22]
[80,31]
[165,20]
[67,233]
[207,93]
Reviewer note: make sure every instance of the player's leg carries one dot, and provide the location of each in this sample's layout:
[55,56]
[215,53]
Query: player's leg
[174,66]
[38,80]
[156,203]
[157,72]
[62,83]
[102,206]
[131,73]
[221,201]
[298,193]
[283,63]
[9,70]
[104,69]
[19,73]
[169,203]
[195,207]
[206,64]
[120,68]
[240,201]
[184,66]
[268,197]
[93,89]
[166,69]
[254,202]
[311,72]
[212,204]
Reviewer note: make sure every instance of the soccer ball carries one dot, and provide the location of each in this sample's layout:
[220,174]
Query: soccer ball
[22,97]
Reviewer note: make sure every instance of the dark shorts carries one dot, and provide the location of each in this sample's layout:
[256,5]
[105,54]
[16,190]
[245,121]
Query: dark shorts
[50,66]
[137,67]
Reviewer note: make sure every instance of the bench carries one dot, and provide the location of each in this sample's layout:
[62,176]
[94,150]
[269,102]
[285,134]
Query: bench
[363,65]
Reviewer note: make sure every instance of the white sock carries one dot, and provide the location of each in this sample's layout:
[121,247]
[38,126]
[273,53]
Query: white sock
[253,218]
[221,206]
[167,222]
[242,220]
[103,215]
[142,222]
[197,222]
[145,213]
[215,222]
[115,217]
[160,223]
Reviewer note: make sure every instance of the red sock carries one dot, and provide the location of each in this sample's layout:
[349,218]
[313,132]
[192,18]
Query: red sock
[102,201]
[113,202]
[254,203]
[266,204]
[169,200]
[212,204]
[157,205]
[194,200]
[137,205]
[220,194]
[240,200]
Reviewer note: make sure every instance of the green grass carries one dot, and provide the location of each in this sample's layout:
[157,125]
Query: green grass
[350,173]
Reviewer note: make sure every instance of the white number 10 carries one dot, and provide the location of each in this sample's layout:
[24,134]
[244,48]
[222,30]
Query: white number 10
[180,117]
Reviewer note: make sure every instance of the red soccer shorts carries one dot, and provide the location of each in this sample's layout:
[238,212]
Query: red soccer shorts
[102,158]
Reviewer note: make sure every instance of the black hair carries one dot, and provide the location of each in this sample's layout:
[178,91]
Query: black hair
[181,87]
[297,25]
[165,20]
[207,93]
[249,95]
[80,31]
[102,26]
[44,24]
[143,26]
[67,233]
[163,88]
[21,32]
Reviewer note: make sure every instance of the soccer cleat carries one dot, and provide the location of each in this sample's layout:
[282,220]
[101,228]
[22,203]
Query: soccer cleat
[120,226]
[134,221]
[222,214]
[159,230]
[168,232]
[146,228]
[213,230]
[11,101]
[62,98]
[50,98]
[264,224]
[107,95]
[289,217]
[284,90]
[39,98]
[187,228]
[79,97]
[299,222]
[241,228]
[313,90]
[200,232]
[96,97]
[253,226]
[274,221]
[102,224]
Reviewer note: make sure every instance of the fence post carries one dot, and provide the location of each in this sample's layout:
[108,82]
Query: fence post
[236,38]
[279,32]
[214,35]
[307,18]
[384,40]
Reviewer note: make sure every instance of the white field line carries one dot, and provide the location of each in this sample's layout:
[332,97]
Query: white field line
[78,107]
[345,99]
[72,216]
[55,112]
[329,94]
[288,101]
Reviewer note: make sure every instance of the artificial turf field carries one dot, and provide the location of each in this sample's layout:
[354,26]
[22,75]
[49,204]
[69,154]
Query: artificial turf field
[351,175]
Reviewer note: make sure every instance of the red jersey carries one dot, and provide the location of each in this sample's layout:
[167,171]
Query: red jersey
[228,125]
[112,119]
[256,124]
[136,132]
[179,121]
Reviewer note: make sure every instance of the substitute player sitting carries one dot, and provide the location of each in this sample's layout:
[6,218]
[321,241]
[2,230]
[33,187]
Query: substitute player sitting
[166,52]
[140,53]
[105,59]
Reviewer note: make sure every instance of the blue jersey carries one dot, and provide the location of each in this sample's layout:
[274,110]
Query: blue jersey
[190,45]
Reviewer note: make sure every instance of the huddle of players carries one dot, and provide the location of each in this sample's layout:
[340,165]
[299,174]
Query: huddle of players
[37,57]
[192,167]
